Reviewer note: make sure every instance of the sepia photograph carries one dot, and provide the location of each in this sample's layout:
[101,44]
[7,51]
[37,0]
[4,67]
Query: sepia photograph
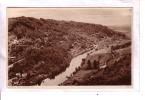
[70,46]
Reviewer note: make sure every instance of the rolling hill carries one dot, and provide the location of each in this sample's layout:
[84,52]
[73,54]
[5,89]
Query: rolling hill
[43,48]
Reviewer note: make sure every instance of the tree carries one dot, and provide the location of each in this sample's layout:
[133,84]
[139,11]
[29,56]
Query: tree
[94,64]
[39,82]
[89,64]
[83,61]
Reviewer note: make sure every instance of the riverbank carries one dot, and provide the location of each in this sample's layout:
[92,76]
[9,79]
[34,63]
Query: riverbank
[74,64]
[114,68]
[53,74]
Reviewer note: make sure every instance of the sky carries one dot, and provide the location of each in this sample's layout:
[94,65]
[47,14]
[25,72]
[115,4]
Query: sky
[104,16]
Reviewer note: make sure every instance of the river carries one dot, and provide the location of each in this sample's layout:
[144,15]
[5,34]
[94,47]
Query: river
[75,62]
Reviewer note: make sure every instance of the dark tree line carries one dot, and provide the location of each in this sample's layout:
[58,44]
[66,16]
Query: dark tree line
[95,64]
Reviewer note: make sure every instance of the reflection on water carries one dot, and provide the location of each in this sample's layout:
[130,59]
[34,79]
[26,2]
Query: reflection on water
[75,62]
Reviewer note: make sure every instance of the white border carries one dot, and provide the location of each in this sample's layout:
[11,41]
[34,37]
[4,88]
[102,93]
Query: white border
[73,3]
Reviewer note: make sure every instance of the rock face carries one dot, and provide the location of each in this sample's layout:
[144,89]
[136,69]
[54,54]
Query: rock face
[43,48]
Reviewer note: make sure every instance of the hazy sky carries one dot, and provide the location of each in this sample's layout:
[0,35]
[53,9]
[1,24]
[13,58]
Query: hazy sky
[104,16]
